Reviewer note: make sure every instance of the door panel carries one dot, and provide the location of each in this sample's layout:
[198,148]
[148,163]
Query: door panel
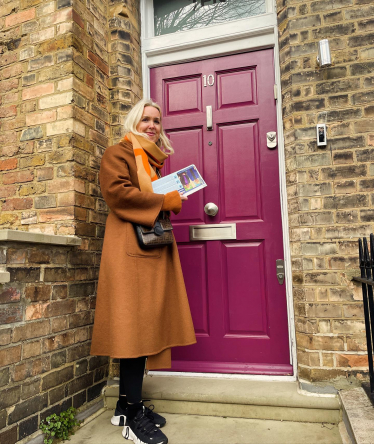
[193,257]
[244,295]
[238,307]
[183,95]
[238,145]
[189,143]
[236,88]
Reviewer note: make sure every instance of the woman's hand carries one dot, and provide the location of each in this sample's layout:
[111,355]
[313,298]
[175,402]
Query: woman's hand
[173,201]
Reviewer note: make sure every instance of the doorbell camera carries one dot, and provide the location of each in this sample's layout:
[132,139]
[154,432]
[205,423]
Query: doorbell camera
[321,135]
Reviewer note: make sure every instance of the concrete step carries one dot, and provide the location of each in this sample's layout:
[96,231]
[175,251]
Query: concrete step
[235,398]
[358,415]
[190,429]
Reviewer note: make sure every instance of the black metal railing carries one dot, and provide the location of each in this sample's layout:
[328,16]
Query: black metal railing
[367,281]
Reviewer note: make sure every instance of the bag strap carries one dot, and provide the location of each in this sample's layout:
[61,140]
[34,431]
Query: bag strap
[162,213]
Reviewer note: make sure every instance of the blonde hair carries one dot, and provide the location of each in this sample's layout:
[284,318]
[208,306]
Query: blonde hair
[134,117]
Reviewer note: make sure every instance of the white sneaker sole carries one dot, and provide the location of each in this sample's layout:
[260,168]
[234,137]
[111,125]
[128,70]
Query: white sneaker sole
[115,420]
[127,433]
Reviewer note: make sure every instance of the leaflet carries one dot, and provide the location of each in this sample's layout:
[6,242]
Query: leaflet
[187,181]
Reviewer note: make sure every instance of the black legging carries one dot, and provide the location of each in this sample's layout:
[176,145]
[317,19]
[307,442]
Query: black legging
[131,372]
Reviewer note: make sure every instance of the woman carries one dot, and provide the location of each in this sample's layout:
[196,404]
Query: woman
[142,307]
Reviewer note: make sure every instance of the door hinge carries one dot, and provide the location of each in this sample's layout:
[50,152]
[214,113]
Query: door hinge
[275,92]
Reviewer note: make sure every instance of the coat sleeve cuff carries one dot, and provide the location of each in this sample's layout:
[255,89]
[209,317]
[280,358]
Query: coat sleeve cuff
[172,202]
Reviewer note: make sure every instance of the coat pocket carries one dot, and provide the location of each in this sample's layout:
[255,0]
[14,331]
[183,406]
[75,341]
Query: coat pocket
[133,248]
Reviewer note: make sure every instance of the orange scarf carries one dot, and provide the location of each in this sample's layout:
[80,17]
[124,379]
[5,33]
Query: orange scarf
[146,153]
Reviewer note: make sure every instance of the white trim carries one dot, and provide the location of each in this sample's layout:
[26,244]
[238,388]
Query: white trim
[222,45]
[267,378]
[284,209]
[147,21]
[244,35]
[270,7]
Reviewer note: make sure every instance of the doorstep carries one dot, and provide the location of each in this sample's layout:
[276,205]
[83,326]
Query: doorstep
[192,429]
[234,398]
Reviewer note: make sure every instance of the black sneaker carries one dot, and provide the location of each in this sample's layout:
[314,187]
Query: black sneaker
[158,420]
[119,417]
[141,430]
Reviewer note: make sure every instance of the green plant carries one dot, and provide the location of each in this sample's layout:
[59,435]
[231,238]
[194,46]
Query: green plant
[59,426]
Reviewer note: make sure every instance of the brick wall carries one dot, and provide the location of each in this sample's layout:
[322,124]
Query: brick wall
[125,62]
[69,72]
[54,114]
[46,314]
[330,198]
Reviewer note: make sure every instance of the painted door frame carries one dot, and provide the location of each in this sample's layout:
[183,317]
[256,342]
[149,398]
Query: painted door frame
[243,35]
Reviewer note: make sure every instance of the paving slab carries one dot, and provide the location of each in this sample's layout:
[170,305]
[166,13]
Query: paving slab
[192,429]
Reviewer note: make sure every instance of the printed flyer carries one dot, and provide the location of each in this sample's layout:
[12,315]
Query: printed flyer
[187,181]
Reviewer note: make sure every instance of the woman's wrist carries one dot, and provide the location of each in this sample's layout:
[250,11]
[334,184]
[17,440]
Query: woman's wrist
[172,202]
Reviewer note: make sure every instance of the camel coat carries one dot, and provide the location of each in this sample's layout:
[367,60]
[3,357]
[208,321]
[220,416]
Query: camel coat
[141,307]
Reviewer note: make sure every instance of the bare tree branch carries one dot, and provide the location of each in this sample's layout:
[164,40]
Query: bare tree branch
[194,15]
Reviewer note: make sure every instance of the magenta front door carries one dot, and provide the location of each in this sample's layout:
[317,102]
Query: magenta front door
[238,306]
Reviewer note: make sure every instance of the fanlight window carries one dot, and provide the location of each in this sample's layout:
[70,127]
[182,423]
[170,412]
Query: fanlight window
[181,15]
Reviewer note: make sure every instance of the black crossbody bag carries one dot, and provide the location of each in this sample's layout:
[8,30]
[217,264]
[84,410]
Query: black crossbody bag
[157,236]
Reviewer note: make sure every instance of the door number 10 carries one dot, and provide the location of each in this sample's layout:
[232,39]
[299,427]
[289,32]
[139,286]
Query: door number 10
[208,80]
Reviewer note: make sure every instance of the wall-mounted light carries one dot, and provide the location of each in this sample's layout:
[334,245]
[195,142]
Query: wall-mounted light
[324,55]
